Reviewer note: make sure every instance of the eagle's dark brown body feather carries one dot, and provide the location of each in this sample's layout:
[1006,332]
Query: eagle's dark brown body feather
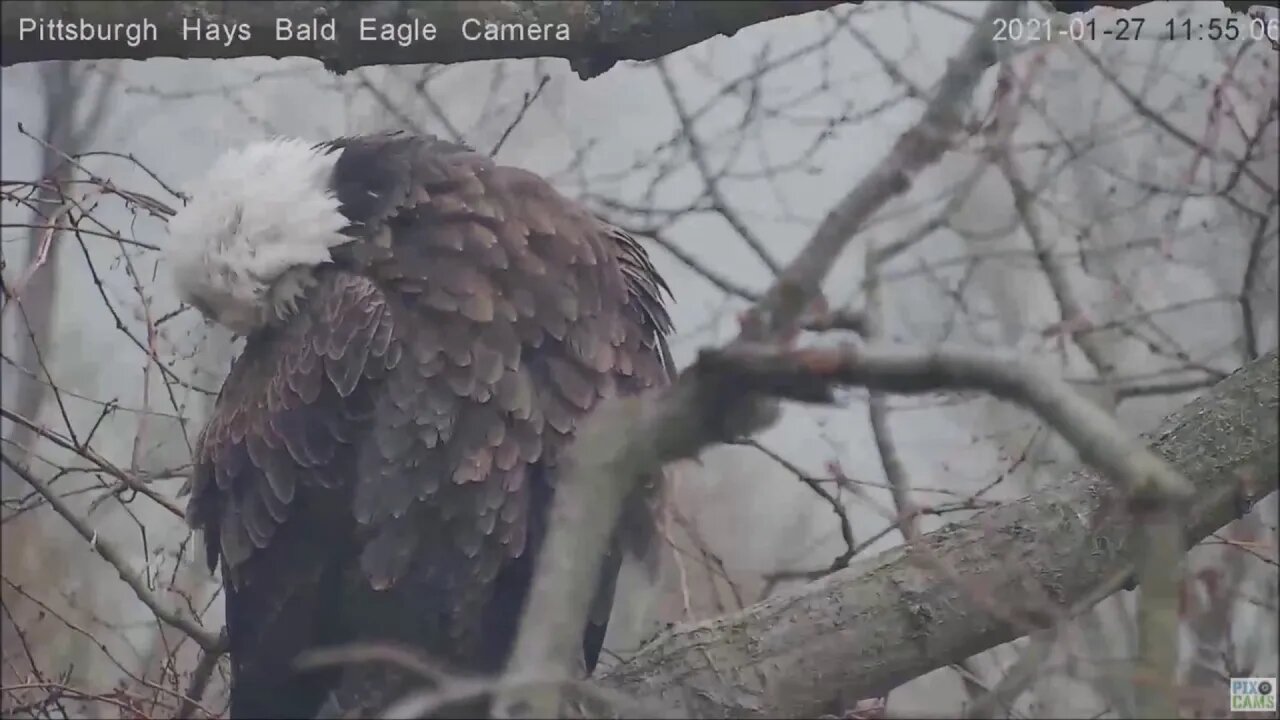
[380,465]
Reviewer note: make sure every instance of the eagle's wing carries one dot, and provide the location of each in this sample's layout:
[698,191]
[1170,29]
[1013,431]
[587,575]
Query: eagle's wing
[271,482]
[382,466]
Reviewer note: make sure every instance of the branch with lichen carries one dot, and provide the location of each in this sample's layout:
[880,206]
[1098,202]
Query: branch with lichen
[887,619]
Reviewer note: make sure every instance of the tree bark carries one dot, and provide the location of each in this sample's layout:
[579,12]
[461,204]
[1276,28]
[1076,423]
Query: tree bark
[600,34]
[864,630]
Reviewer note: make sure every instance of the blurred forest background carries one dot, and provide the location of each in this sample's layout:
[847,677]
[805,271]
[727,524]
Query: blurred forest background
[1110,213]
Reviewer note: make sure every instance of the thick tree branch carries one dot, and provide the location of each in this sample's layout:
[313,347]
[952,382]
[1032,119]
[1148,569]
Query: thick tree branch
[811,375]
[629,438]
[865,630]
[600,34]
[626,439]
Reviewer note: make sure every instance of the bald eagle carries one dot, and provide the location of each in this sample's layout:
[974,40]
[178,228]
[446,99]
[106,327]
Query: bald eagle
[425,330]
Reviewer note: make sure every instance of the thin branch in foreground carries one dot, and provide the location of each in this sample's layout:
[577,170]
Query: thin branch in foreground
[529,98]
[126,478]
[209,642]
[710,180]
[841,561]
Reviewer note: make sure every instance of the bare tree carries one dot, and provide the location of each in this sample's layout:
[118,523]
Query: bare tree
[974,269]
[73,109]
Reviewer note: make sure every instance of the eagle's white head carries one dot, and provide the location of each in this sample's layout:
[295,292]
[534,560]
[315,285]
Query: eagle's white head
[244,249]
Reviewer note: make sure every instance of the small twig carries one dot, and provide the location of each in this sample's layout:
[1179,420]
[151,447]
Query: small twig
[711,182]
[1158,118]
[206,640]
[88,453]
[200,678]
[141,166]
[524,107]
[841,561]
[42,252]
[922,145]
[150,204]
[895,471]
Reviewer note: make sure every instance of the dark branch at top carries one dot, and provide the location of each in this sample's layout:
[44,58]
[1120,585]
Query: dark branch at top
[599,33]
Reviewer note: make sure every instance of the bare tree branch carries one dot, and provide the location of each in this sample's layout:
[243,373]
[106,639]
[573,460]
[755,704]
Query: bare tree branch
[629,438]
[208,641]
[200,677]
[600,34]
[800,283]
[864,630]
[810,375]
[859,632]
